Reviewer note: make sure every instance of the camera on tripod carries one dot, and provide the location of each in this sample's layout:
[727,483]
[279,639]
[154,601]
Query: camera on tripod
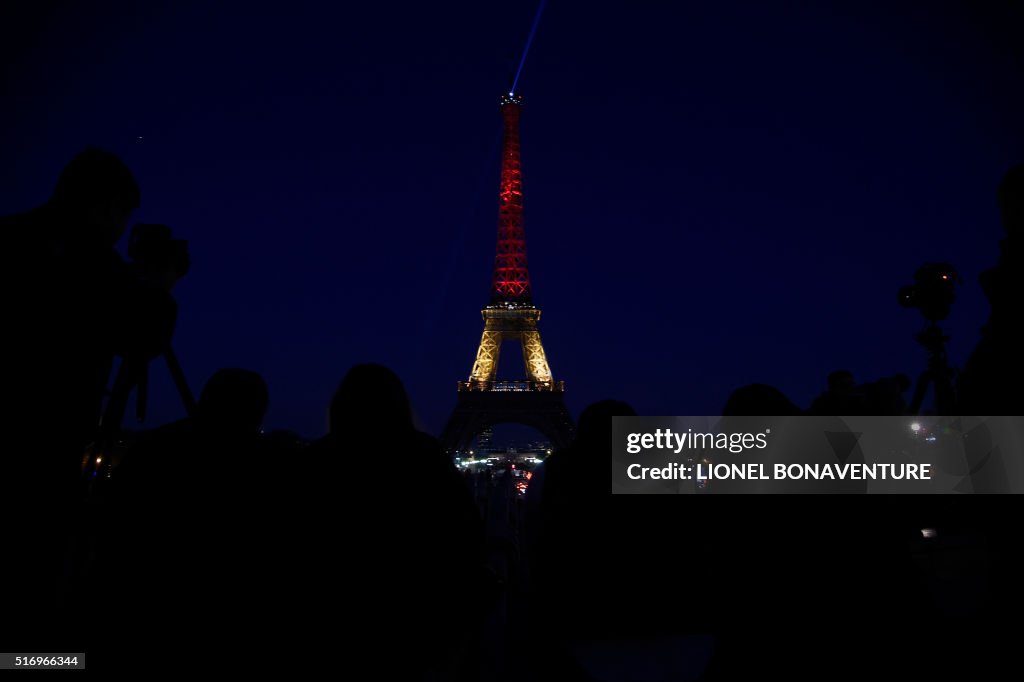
[933,291]
[160,260]
[152,249]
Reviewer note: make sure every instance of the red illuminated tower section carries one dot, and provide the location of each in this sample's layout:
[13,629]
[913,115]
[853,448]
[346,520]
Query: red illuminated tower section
[486,399]
[511,275]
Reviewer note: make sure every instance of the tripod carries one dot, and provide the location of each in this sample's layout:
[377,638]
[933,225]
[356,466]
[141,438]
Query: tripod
[133,373]
[938,372]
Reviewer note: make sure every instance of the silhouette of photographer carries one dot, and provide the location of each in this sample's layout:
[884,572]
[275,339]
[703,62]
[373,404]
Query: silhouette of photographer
[72,303]
[992,378]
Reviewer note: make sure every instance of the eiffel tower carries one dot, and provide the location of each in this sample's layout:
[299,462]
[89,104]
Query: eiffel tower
[485,400]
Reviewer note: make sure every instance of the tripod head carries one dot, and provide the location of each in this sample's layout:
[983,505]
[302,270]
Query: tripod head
[933,291]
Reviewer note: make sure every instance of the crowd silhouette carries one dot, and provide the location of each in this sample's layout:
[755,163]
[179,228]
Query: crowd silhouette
[190,545]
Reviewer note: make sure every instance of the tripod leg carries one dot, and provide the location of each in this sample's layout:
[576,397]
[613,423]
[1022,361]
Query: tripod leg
[127,376]
[945,394]
[142,394]
[920,391]
[187,399]
[97,454]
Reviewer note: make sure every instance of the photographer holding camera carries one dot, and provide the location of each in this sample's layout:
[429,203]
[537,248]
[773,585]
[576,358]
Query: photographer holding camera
[72,304]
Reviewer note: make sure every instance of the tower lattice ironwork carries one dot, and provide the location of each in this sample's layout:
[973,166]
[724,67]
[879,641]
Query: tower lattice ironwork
[485,399]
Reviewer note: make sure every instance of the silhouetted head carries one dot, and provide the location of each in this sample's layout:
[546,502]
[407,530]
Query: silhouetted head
[1011,200]
[595,424]
[371,402]
[840,380]
[95,196]
[233,401]
[759,400]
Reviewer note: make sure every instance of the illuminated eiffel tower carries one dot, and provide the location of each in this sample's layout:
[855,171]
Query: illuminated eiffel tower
[485,400]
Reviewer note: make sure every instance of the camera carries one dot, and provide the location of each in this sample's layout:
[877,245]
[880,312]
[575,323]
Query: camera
[152,248]
[932,292]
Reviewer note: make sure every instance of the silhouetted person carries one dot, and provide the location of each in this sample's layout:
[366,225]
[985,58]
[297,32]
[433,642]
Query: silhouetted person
[392,534]
[599,563]
[188,531]
[757,408]
[570,486]
[216,447]
[885,396]
[759,400]
[840,380]
[71,304]
[830,562]
[839,398]
[992,382]
[845,397]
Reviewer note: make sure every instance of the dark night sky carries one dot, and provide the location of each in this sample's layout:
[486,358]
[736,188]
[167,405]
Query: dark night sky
[716,193]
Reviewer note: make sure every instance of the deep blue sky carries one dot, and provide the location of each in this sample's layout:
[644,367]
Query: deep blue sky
[716,193]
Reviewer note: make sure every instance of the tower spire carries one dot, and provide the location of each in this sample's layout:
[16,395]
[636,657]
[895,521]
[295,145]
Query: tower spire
[511,282]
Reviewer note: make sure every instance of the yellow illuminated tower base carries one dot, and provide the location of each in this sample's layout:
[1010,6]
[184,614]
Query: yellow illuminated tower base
[504,324]
[486,399]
